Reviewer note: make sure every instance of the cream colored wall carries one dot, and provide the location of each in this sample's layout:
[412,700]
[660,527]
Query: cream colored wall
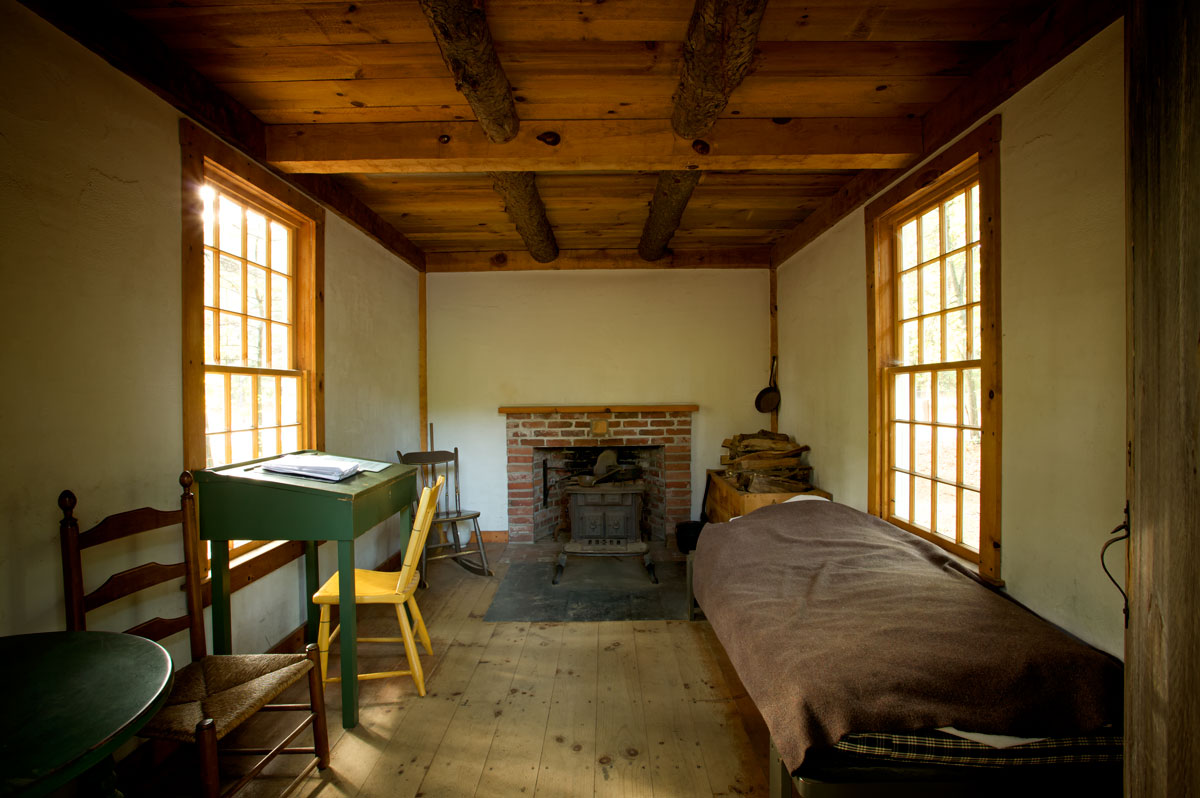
[1063,326]
[823,360]
[591,337]
[90,224]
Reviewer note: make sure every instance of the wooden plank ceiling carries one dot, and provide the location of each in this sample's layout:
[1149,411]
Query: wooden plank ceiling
[360,91]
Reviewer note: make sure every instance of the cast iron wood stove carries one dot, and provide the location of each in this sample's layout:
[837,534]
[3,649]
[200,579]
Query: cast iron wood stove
[606,521]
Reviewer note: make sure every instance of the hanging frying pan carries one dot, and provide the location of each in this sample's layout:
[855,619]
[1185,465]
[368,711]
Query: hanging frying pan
[768,398]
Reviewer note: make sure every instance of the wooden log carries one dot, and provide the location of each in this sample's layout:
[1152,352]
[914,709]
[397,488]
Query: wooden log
[524,206]
[461,30]
[764,484]
[671,196]
[717,54]
[763,464]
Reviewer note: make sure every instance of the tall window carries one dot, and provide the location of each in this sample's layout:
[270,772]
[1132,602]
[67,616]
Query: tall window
[252,310]
[253,388]
[935,416]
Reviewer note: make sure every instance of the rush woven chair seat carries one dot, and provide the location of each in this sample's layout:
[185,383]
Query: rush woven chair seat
[450,513]
[214,694]
[386,587]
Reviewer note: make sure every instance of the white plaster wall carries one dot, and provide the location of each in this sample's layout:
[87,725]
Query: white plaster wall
[592,337]
[372,401]
[823,358]
[1063,273]
[90,219]
[1063,326]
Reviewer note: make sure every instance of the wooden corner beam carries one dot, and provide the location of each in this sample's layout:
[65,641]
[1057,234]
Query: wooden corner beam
[1055,34]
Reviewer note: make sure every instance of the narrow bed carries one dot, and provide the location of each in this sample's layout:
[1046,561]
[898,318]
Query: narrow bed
[868,652]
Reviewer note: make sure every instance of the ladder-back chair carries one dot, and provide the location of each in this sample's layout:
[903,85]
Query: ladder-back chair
[214,694]
[444,464]
[386,587]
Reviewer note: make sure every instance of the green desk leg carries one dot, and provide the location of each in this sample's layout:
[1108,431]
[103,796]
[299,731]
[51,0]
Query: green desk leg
[348,615]
[311,586]
[221,623]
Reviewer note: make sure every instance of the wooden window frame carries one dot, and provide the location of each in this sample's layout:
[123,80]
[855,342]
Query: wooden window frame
[206,159]
[978,151]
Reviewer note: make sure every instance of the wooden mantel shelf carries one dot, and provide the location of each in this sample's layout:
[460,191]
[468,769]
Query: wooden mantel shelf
[598,409]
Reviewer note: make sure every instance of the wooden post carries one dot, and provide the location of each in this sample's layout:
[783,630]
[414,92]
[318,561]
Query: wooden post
[716,57]
[671,196]
[524,206]
[461,30]
[1162,646]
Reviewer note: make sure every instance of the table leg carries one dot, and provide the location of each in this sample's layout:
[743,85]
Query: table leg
[221,623]
[311,586]
[348,613]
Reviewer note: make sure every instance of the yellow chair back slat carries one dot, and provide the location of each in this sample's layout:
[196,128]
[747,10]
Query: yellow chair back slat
[422,523]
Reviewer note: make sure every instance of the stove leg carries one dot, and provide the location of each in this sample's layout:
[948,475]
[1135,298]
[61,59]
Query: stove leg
[558,568]
[650,567]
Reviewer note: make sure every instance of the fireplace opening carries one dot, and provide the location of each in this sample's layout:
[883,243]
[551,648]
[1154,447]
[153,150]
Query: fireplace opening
[655,438]
[560,472]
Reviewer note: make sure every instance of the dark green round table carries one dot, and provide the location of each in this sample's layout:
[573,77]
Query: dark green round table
[71,699]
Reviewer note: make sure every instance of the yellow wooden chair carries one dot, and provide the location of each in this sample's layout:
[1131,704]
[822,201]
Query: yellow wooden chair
[387,587]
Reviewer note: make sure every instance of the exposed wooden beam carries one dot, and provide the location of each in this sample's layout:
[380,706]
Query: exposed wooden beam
[461,30]
[524,206]
[578,259]
[133,50]
[671,196]
[1055,34]
[582,145]
[346,204]
[717,54]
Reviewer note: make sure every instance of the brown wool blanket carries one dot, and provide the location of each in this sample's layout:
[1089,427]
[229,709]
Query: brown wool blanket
[838,622]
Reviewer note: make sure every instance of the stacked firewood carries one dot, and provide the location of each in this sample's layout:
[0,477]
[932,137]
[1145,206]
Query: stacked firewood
[766,462]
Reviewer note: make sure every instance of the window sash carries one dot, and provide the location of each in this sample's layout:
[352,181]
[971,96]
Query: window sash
[973,159]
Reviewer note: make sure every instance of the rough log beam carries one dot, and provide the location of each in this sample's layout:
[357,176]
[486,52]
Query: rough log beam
[671,196]
[608,145]
[524,206]
[461,30]
[717,54]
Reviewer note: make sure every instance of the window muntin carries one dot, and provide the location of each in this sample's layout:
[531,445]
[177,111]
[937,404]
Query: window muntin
[253,388]
[933,392]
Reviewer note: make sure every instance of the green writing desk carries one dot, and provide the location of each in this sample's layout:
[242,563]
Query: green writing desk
[244,502]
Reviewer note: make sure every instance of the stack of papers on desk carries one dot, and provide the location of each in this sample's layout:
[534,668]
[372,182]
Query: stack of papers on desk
[318,466]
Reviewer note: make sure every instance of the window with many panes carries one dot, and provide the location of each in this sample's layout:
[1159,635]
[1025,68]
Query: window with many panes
[935,353]
[252,312]
[253,389]
[934,419]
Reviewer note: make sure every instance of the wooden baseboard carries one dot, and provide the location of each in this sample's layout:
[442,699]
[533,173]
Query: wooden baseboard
[495,535]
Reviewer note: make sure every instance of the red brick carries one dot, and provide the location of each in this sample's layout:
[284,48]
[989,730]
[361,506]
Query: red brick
[583,425]
[533,424]
[662,423]
[560,424]
[535,442]
[520,450]
[584,442]
[679,485]
[521,458]
[600,415]
[517,415]
[677,449]
[654,414]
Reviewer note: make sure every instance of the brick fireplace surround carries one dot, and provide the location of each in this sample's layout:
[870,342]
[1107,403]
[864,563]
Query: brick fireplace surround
[530,427]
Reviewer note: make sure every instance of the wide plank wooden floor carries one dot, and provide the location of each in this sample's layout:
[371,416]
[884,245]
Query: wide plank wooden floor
[631,708]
